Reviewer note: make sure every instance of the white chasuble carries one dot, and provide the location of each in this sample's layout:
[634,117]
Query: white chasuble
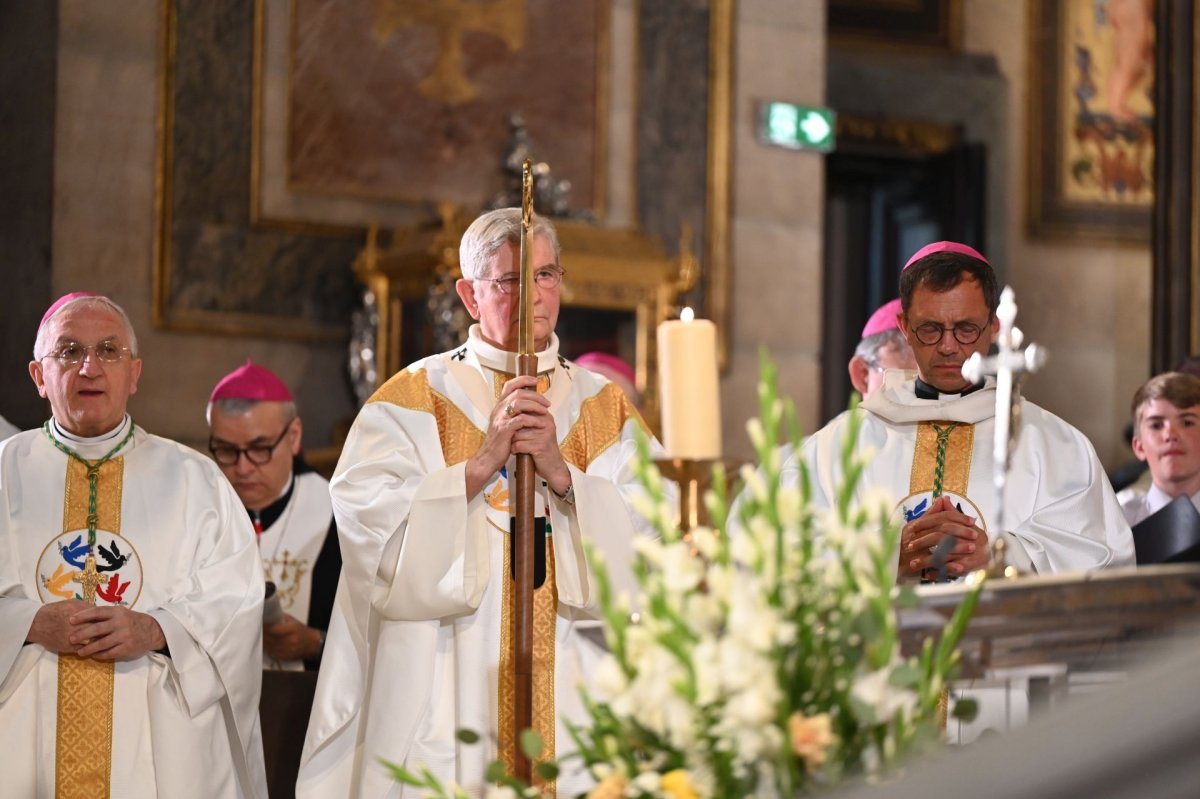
[172,541]
[415,645]
[1060,513]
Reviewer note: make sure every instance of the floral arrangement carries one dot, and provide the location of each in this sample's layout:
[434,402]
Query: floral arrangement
[762,663]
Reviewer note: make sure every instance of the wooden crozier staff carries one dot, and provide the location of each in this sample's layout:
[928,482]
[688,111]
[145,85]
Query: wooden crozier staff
[523,539]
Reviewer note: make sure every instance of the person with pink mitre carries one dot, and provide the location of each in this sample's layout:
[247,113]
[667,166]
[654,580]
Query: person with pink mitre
[882,347]
[254,436]
[931,436]
[130,590]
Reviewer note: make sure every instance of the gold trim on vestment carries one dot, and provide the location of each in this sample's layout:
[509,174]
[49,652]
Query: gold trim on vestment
[84,726]
[500,378]
[460,438]
[957,469]
[109,486]
[602,417]
[545,624]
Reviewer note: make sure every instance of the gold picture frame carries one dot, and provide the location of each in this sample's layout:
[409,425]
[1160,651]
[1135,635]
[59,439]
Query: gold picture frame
[1091,125]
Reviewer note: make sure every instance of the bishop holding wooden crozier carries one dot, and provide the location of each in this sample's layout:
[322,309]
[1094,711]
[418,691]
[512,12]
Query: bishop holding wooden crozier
[931,435]
[420,644]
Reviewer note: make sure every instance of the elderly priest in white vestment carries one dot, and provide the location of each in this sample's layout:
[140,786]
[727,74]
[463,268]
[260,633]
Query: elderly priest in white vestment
[130,590]
[930,434]
[418,643]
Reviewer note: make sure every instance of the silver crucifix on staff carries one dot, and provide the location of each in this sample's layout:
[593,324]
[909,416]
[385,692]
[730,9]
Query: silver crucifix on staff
[1009,365]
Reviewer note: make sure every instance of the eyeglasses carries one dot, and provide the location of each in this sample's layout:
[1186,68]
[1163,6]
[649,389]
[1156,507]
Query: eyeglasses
[544,278]
[259,454]
[70,353]
[931,333]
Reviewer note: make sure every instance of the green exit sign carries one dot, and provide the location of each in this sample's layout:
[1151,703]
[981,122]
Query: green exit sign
[798,127]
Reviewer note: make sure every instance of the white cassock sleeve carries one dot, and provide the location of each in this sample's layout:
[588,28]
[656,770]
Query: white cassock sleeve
[1062,513]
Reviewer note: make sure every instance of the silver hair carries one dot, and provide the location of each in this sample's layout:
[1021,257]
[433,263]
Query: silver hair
[493,230]
[868,349]
[239,406]
[41,344]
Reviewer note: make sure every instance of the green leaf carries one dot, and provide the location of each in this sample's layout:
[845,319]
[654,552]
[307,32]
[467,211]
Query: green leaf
[467,736]
[401,774]
[531,744]
[496,771]
[904,676]
[546,771]
[965,709]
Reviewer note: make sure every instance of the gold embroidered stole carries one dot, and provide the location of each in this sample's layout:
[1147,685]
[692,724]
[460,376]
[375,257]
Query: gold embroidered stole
[601,420]
[942,458]
[83,744]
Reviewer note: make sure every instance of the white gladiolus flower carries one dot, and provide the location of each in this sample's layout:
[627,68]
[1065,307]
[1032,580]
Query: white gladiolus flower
[754,430]
[705,540]
[682,571]
[885,699]
[646,782]
[755,484]
[649,548]
[607,679]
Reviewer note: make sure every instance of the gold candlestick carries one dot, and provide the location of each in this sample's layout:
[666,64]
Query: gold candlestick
[693,476]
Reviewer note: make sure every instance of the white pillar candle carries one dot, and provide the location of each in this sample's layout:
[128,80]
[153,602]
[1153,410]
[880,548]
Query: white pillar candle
[691,404]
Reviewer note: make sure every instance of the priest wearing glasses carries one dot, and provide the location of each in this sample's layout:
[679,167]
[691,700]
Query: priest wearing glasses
[254,436]
[130,590]
[418,643]
[931,437]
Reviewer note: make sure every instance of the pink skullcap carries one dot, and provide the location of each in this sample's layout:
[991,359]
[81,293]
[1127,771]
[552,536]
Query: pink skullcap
[884,319]
[945,246]
[611,361]
[60,302]
[251,382]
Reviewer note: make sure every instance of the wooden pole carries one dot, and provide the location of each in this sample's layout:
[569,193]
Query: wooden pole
[523,497]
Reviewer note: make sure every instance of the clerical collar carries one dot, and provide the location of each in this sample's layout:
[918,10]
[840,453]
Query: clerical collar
[89,447]
[503,361]
[270,514]
[927,392]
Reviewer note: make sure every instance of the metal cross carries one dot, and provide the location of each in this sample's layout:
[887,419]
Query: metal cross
[90,579]
[1010,365]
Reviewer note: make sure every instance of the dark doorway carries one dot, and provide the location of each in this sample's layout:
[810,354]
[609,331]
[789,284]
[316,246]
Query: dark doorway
[882,204]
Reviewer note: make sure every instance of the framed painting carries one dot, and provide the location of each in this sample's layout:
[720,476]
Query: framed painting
[904,24]
[280,142]
[215,271]
[375,112]
[1091,119]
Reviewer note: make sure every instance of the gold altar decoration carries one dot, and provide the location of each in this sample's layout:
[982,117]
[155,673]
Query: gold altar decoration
[607,268]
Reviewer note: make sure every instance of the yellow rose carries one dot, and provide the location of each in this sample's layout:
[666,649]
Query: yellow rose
[811,738]
[677,785]
[611,787]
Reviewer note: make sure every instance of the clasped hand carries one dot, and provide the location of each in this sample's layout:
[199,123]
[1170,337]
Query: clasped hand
[921,536]
[107,632]
[520,424]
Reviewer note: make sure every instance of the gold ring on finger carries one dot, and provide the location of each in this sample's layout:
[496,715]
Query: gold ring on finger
[509,410]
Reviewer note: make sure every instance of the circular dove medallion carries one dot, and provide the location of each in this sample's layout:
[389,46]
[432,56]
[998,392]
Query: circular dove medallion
[65,558]
[914,506]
